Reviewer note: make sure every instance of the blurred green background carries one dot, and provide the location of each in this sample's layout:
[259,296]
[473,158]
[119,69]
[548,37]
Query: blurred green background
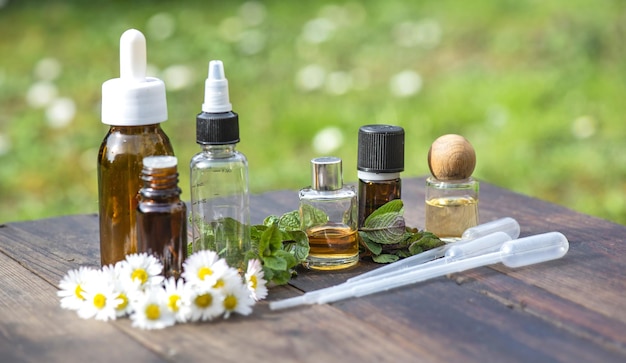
[538,87]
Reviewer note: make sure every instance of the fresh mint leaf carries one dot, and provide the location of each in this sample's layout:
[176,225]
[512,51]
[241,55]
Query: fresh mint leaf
[385,228]
[281,277]
[385,258]
[289,259]
[297,244]
[386,224]
[372,246]
[313,216]
[394,206]
[290,221]
[275,263]
[269,220]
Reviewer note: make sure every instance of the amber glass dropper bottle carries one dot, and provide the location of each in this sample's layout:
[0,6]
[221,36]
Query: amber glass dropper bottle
[161,215]
[134,106]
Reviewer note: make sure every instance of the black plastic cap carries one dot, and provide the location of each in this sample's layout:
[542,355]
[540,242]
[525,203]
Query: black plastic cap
[217,128]
[381,149]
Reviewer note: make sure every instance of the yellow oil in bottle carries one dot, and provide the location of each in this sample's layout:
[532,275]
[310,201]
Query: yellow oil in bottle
[449,217]
[332,248]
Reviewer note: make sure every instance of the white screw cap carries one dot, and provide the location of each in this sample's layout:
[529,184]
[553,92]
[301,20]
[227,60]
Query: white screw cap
[133,99]
[216,98]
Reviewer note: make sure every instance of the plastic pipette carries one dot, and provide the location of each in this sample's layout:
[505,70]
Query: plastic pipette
[517,253]
[455,252]
[507,225]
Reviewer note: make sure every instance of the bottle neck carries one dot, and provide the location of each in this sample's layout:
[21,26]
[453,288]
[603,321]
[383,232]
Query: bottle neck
[160,184]
[219,150]
[136,130]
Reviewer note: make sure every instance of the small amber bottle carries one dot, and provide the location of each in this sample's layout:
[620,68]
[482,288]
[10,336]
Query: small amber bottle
[134,106]
[451,193]
[328,216]
[161,215]
[380,161]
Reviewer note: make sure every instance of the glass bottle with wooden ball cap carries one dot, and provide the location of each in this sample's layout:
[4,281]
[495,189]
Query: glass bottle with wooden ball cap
[380,161]
[220,208]
[451,192]
[134,106]
[328,215]
[161,215]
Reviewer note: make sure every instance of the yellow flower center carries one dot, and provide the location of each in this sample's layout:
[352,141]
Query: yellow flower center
[124,303]
[219,283]
[140,274]
[204,301]
[230,302]
[79,292]
[153,312]
[254,282]
[172,303]
[203,272]
[99,301]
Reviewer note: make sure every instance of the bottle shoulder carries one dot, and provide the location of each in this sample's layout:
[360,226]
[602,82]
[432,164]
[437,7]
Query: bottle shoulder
[219,157]
[347,192]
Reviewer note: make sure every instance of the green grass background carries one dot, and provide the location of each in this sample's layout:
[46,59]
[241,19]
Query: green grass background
[538,87]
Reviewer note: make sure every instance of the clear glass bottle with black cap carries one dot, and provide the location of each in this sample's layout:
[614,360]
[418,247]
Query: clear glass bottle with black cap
[328,215]
[161,215]
[220,210]
[380,161]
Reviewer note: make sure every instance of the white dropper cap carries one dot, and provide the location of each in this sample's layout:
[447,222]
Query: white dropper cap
[133,99]
[216,90]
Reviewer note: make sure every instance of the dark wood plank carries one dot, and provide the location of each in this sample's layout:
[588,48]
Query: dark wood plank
[586,283]
[33,328]
[318,334]
[266,335]
[567,310]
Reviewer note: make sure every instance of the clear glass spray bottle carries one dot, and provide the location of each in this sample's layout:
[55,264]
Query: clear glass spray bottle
[134,106]
[380,161]
[220,210]
[161,215]
[328,215]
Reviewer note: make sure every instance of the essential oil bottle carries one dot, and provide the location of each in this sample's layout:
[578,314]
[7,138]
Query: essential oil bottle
[220,207]
[161,215]
[380,161]
[451,192]
[134,106]
[328,215]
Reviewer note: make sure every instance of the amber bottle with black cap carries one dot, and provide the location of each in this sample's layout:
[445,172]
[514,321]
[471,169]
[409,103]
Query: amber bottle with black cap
[380,161]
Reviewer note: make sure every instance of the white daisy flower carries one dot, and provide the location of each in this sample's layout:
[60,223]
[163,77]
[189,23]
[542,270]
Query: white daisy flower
[150,310]
[141,271]
[202,268]
[205,302]
[237,300]
[175,293]
[225,277]
[100,297]
[255,280]
[72,288]
[122,292]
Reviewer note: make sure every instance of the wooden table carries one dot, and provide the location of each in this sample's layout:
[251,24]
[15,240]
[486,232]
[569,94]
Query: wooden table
[569,310]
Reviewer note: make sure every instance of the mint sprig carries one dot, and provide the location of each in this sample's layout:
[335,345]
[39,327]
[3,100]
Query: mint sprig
[386,238]
[281,245]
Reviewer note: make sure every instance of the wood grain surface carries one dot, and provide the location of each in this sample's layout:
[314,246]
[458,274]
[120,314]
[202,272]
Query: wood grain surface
[570,310]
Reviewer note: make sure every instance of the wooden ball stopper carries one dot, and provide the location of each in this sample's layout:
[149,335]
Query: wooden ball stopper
[451,157]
